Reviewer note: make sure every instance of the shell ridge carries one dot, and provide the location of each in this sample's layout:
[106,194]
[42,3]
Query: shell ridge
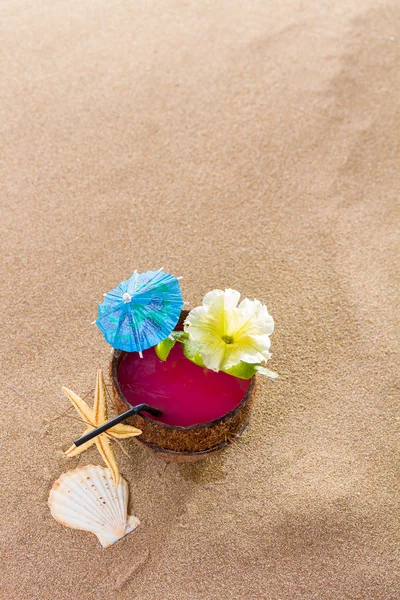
[107,485]
[79,496]
[100,493]
[121,504]
[97,491]
[79,512]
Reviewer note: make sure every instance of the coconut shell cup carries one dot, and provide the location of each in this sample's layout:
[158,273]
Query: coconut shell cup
[184,444]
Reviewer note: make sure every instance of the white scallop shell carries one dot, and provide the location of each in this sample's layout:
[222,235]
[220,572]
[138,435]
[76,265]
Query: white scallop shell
[87,499]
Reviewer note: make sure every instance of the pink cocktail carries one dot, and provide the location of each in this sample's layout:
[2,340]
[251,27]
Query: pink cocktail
[187,394]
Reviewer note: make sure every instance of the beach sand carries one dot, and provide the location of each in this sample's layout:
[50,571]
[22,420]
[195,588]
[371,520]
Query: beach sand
[251,145]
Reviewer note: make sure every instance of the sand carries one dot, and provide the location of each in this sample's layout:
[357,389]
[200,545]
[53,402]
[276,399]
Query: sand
[244,144]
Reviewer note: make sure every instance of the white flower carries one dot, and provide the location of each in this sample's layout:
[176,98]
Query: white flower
[226,333]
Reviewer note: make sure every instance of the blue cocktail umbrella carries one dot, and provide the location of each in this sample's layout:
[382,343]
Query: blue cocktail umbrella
[141,312]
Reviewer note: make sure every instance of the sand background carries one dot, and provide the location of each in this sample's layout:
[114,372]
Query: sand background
[244,144]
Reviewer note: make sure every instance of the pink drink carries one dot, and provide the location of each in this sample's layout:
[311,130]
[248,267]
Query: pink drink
[187,394]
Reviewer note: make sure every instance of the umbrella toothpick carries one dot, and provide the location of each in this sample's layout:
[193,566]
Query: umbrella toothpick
[181,277]
[130,316]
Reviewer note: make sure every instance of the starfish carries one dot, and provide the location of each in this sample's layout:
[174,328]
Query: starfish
[95,417]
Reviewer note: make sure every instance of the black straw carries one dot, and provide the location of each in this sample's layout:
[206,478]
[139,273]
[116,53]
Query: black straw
[132,411]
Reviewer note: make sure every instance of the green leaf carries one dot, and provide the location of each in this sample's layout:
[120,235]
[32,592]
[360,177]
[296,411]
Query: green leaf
[164,348]
[247,370]
[243,370]
[192,352]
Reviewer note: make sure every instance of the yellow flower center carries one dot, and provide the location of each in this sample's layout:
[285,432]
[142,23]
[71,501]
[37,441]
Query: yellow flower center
[228,339]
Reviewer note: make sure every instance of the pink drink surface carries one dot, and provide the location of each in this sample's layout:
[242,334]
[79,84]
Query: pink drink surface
[187,394]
